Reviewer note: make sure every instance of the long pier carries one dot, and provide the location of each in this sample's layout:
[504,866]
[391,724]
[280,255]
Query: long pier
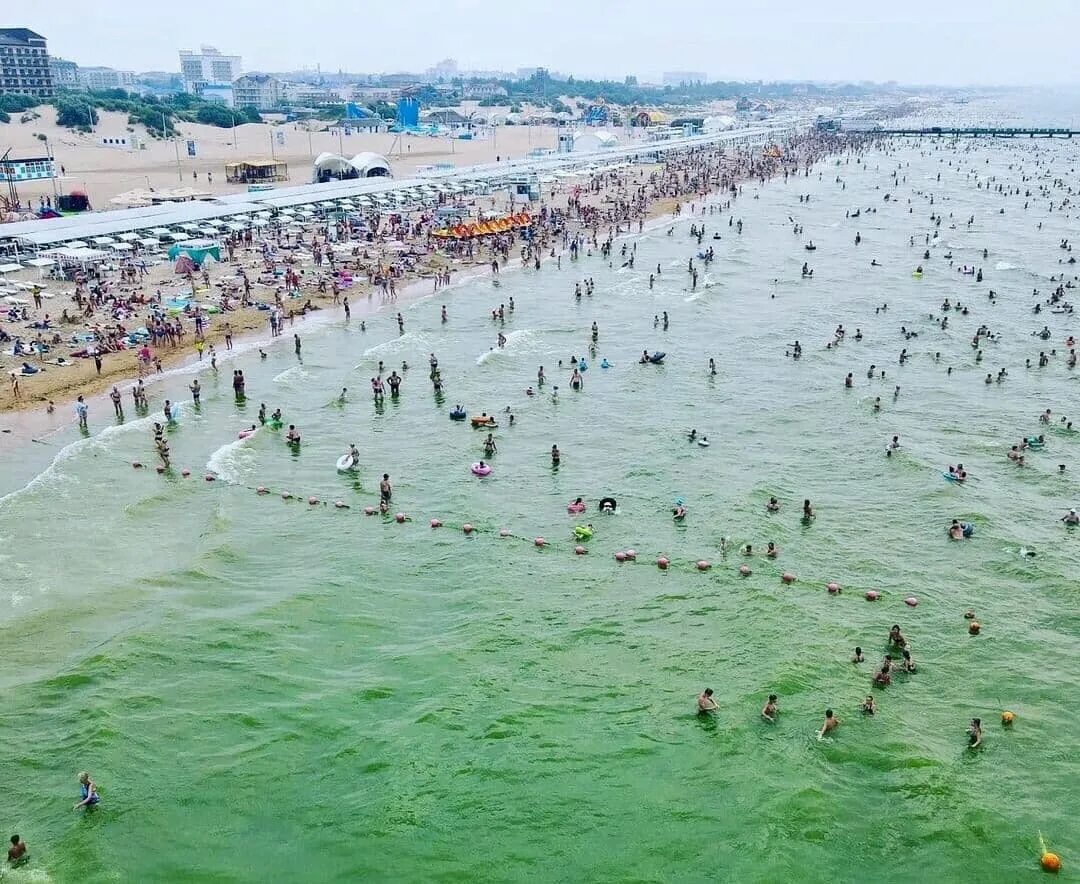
[976,132]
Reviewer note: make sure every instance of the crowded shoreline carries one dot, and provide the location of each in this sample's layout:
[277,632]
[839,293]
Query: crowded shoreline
[429,266]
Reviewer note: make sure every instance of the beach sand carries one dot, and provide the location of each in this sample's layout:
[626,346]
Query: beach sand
[104,172]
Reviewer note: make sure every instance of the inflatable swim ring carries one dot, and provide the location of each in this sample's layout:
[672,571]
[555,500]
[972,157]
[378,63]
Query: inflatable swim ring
[916,274]
[456,415]
[478,421]
[582,532]
[244,434]
[480,469]
[605,364]
[273,424]
[345,463]
[657,358]
[704,443]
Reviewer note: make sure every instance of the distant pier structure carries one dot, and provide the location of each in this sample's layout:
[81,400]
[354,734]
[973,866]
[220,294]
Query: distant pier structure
[959,131]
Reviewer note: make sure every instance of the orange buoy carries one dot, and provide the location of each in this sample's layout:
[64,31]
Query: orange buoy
[313,500]
[744,570]
[1050,862]
[185,473]
[369,511]
[504,532]
[399,517]
[974,627]
[911,601]
[341,505]
[209,478]
[620,556]
[539,542]
[871,595]
[579,550]
[285,495]
[1007,717]
[160,469]
[787,578]
[662,563]
[833,587]
[631,555]
[703,565]
[466,528]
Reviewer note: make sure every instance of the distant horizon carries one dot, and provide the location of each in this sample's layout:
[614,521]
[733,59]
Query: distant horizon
[966,44]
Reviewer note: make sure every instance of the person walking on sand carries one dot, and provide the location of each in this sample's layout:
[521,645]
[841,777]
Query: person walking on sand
[15,385]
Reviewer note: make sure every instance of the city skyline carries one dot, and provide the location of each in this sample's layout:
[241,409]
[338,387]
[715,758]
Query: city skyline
[976,43]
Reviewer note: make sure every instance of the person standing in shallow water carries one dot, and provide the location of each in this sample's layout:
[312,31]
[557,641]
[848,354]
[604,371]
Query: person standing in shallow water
[87,791]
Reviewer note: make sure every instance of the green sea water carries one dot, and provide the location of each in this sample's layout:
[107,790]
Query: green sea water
[267,690]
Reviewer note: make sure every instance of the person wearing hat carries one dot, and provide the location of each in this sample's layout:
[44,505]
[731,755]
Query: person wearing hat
[1071,518]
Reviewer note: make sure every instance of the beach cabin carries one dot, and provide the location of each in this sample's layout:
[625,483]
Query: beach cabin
[256,172]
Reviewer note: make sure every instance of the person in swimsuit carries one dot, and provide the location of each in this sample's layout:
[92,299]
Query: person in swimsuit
[87,791]
[896,638]
[555,455]
[773,506]
[385,491]
[975,733]
[705,702]
[883,676]
[869,707]
[770,710]
[17,852]
[830,724]
[858,657]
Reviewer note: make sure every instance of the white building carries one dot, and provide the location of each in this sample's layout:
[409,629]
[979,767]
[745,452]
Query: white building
[260,91]
[106,78]
[65,73]
[594,140]
[680,78]
[332,166]
[207,65]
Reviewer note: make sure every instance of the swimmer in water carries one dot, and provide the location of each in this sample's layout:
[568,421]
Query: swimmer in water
[705,702]
[830,724]
[807,511]
[293,436]
[770,710]
[772,550]
[975,733]
[896,638]
[678,512]
[88,791]
[556,456]
[869,707]
[858,656]
[773,506]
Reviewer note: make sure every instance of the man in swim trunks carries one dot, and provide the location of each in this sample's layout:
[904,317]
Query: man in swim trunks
[869,707]
[555,455]
[770,710]
[858,657]
[830,724]
[705,702]
[975,733]
[17,852]
[385,491]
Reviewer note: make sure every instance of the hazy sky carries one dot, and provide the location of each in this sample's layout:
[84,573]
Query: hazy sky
[914,41]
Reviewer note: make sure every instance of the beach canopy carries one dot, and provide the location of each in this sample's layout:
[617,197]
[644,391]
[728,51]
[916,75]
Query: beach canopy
[184,265]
